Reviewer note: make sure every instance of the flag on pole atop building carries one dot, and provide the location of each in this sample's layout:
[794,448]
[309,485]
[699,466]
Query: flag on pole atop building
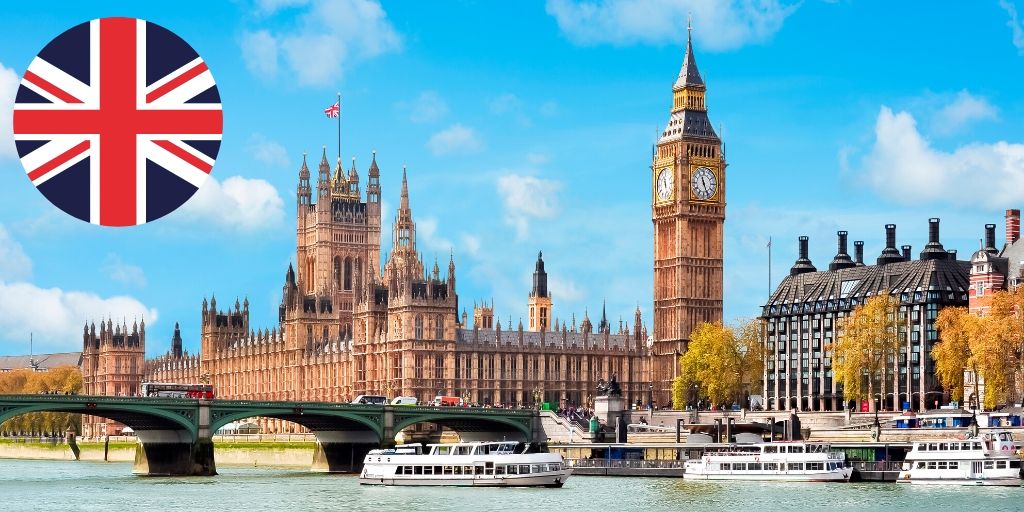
[333,110]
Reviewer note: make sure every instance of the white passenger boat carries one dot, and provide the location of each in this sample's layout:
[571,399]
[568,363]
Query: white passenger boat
[991,459]
[785,461]
[497,464]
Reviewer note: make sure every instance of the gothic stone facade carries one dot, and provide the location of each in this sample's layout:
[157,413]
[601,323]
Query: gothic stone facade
[802,317]
[112,364]
[346,328]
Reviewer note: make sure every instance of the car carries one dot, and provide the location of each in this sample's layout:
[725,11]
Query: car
[405,400]
[371,400]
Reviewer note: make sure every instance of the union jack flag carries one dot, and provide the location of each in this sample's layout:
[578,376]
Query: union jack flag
[118,121]
[333,110]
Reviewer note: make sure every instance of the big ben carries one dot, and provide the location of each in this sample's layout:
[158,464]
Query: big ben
[688,212]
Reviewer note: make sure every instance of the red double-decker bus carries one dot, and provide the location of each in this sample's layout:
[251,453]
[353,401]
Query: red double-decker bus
[172,390]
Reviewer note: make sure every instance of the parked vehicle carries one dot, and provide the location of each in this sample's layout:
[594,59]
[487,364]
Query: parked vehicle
[371,400]
[404,400]
[447,401]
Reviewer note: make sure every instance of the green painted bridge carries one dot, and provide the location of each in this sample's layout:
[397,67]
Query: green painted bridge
[176,435]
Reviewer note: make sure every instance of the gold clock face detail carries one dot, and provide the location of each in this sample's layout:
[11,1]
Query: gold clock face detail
[703,183]
[665,182]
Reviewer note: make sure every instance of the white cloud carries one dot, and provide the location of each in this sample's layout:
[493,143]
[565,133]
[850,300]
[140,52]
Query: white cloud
[237,203]
[718,24]
[427,237]
[55,317]
[471,244]
[565,290]
[454,139]
[426,108]
[9,83]
[1015,24]
[267,151]
[14,263]
[904,166]
[526,198]
[259,50]
[963,110]
[328,36]
[122,272]
[267,7]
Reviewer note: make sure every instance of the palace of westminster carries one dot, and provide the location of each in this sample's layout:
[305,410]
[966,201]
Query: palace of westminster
[348,325]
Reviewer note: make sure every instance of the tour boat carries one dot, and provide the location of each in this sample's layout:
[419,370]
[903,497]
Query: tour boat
[991,459]
[785,461]
[494,464]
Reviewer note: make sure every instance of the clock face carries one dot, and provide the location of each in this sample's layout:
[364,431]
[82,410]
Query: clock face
[703,183]
[665,183]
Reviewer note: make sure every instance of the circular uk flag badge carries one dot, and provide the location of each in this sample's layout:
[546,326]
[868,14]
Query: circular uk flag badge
[118,121]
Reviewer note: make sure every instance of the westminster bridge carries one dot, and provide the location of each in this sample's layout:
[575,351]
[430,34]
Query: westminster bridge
[175,436]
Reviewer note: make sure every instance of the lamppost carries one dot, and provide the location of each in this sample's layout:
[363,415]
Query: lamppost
[536,398]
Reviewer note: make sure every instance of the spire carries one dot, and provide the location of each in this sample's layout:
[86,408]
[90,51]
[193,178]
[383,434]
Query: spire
[353,174]
[540,278]
[604,326]
[405,191]
[689,76]
[304,169]
[176,341]
[374,170]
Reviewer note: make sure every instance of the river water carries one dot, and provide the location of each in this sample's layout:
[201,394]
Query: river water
[30,485]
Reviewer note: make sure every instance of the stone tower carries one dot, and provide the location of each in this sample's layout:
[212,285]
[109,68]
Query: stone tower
[112,365]
[540,299]
[688,212]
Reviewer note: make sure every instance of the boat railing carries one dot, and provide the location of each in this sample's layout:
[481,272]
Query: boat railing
[881,465]
[623,463]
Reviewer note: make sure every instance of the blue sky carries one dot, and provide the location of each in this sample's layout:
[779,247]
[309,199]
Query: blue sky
[528,126]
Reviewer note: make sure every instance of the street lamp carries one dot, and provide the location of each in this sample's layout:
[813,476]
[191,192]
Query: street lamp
[650,397]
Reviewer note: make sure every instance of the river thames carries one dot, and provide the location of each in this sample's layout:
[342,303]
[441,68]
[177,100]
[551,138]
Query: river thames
[30,485]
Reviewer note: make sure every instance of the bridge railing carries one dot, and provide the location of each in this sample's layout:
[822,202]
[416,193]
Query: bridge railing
[624,463]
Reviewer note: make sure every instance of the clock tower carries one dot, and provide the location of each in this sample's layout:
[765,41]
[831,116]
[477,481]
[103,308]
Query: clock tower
[688,211]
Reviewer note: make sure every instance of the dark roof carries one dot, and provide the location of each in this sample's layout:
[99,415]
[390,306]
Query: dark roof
[42,361]
[689,76]
[693,123]
[835,288]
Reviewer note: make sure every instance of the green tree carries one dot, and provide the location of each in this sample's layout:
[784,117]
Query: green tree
[720,363]
[866,342]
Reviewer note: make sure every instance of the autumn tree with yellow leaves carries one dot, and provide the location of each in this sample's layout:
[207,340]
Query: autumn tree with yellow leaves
[60,380]
[720,363]
[865,348]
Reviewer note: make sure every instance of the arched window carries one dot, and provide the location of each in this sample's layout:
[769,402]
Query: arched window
[419,327]
[439,327]
[337,272]
[348,273]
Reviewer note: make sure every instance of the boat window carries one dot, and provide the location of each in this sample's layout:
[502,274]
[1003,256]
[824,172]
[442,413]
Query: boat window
[965,446]
[815,466]
[796,449]
[1014,464]
[976,445]
[933,447]
[499,470]
[954,464]
[726,466]
[941,465]
[771,466]
[524,469]
[922,447]
[437,470]
[513,469]
[943,446]
[417,470]
[442,450]
[428,470]
[795,466]
[739,466]
[754,466]
[448,470]
[770,449]
[920,464]
[954,446]
[989,464]
[1000,464]
[931,465]
[536,468]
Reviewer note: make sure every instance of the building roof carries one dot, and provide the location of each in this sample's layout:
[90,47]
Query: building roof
[40,361]
[846,287]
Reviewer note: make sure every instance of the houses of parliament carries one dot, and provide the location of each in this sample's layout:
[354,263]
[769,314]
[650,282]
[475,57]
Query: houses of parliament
[348,325]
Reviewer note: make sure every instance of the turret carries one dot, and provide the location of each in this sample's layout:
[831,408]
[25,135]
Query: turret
[323,181]
[353,180]
[303,190]
[176,349]
[373,182]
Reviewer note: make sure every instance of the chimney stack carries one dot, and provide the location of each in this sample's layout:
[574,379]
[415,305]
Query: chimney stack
[858,253]
[842,259]
[952,254]
[906,253]
[1012,226]
[890,254]
[933,250]
[990,239]
[803,264]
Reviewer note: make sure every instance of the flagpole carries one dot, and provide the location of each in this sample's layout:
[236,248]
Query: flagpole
[769,267]
[339,126]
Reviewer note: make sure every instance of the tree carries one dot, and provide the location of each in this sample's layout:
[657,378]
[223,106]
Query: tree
[63,379]
[866,342]
[952,354]
[720,363]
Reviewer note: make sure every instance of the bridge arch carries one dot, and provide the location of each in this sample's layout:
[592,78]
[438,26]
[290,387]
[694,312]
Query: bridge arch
[314,420]
[140,417]
[466,423]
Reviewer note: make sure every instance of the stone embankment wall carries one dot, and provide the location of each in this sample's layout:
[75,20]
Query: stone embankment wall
[298,453]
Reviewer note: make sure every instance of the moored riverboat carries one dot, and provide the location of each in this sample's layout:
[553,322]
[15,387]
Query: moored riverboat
[989,459]
[478,464]
[782,461]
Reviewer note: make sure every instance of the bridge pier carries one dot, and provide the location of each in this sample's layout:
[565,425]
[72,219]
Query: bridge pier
[342,451]
[172,453]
